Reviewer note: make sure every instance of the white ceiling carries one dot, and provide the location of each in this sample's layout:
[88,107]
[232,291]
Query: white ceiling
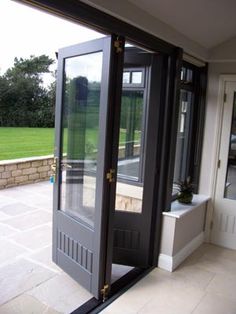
[207,22]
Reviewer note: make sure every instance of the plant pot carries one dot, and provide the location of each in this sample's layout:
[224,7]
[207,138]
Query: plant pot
[185,198]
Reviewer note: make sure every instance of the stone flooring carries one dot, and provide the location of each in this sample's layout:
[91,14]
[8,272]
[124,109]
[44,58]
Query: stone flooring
[204,284]
[29,281]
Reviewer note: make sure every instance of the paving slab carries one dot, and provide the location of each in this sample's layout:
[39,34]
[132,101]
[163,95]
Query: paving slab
[19,277]
[61,293]
[16,208]
[34,239]
[10,251]
[29,281]
[44,257]
[29,220]
[6,231]
[26,304]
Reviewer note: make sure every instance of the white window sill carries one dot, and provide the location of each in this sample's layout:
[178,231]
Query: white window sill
[179,210]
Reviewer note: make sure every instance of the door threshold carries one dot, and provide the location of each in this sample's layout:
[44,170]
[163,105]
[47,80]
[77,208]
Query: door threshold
[119,287]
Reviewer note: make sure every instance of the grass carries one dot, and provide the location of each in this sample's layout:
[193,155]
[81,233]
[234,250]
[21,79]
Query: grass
[25,142]
[29,142]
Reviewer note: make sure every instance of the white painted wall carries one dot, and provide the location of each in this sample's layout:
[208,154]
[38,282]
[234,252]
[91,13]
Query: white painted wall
[224,52]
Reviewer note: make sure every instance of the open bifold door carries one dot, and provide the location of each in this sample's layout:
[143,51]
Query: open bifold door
[136,162]
[86,226]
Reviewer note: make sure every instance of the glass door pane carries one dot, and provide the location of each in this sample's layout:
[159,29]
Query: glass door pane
[130,134]
[129,192]
[80,120]
[230,183]
[182,142]
[137,160]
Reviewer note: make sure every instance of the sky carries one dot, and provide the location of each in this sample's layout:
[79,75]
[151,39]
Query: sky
[25,31]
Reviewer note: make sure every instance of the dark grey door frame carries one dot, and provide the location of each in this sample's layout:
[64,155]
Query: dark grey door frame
[97,239]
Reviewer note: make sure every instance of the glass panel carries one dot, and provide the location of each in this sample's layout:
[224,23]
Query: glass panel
[129,196]
[186,75]
[189,76]
[182,75]
[136,77]
[130,134]
[182,144]
[126,77]
[230,182]
[81,102]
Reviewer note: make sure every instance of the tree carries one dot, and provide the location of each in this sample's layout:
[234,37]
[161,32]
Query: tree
[24,101]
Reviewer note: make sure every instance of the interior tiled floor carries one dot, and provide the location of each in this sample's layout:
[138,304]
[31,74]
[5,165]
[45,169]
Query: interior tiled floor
[31,283]
[204,284]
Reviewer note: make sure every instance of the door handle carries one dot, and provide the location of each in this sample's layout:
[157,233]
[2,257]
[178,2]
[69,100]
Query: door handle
[66,166]
[54,168]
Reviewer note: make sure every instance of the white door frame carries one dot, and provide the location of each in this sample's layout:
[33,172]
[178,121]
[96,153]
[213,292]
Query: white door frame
[224,78]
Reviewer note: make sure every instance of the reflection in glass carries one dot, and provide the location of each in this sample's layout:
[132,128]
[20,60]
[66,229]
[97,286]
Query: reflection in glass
[126,77]
[182,144]
[129,197]
[130,134]
[230,183]
[186,75]
[81,100]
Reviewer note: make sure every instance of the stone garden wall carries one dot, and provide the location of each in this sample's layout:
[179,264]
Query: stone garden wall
[35,169]
[25,170]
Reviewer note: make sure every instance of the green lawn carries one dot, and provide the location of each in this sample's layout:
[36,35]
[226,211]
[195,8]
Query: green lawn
[28,142]
[25,142]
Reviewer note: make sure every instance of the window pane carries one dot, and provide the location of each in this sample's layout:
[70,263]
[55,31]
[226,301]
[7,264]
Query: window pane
[126,77]
[186,75]
[230,183]
[80,135]
[130,134]
[129,197]
[182,144]
[182,75]
[189,76]
[136,77]
[130,167]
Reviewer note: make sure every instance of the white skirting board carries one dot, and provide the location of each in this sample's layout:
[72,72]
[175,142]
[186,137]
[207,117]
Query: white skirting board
[169,263]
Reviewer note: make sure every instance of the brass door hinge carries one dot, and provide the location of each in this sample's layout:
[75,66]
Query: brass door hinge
[118,46]
[219,162]
[104,292]
[111,175]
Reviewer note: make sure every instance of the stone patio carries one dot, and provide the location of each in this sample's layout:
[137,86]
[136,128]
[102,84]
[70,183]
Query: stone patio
[29,281]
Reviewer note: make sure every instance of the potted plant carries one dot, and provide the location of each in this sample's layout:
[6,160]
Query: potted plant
[185,191]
